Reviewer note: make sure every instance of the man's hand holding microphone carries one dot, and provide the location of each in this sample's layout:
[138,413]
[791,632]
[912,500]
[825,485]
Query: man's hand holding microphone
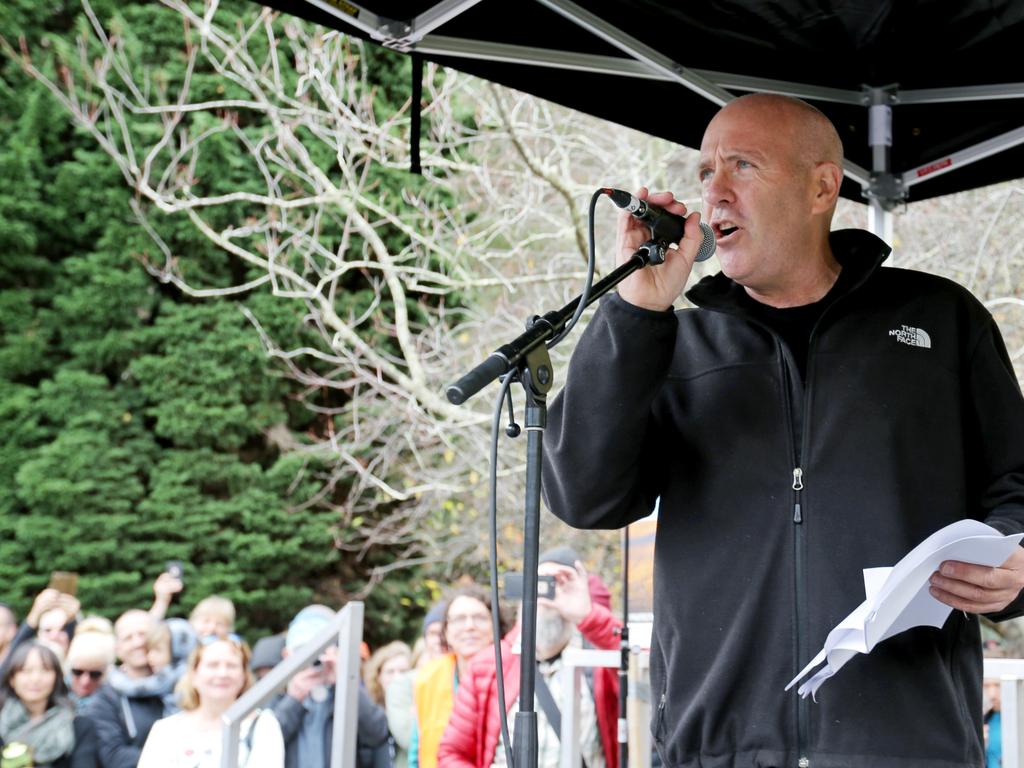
[657,286]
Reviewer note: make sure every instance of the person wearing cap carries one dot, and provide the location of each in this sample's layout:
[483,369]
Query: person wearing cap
[267,654]
[433,638]
[306,711]
[580,605]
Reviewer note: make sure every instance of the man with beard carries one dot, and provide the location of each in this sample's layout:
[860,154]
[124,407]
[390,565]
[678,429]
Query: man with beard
[473,736]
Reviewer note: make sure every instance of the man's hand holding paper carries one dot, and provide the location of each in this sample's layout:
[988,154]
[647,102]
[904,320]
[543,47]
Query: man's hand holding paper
[903,596]
[979,588]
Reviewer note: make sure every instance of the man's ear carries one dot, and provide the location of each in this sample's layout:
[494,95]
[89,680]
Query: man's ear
[828,178]
[285,652]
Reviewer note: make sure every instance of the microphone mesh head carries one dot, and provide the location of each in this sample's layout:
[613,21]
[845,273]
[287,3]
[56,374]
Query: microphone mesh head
[707,245]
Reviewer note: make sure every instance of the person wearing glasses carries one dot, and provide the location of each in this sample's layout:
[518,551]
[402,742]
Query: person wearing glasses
[465,631]
[216,675]
[577,614]
[90,657]
[38,726]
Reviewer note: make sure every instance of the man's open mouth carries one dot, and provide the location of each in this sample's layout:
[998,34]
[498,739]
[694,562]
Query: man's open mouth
[723,229]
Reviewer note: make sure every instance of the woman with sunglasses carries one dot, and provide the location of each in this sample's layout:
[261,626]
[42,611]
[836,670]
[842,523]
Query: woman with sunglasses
[217,674]
[38,726]
[90,657]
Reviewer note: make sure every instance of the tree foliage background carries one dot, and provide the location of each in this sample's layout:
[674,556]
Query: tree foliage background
[140,421]
[228,310]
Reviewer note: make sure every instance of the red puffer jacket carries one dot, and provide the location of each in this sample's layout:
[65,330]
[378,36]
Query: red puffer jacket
[474,731]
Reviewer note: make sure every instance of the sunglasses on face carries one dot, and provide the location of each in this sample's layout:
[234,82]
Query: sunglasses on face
[94,674]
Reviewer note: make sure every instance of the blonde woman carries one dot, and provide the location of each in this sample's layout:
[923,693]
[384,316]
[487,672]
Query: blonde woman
[89,660]
[217,674]
[385,665]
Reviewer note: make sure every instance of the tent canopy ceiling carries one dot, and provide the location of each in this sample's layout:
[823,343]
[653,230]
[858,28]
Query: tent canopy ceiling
[946,76]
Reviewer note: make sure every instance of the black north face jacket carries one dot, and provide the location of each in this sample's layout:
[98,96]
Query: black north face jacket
[774,495]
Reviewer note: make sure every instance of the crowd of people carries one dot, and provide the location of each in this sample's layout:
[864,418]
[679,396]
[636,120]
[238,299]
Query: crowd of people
[150,690]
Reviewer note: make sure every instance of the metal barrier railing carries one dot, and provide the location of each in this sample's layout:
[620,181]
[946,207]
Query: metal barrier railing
[576,659]
[347,627]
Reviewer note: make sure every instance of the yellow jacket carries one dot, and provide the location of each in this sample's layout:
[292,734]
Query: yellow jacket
[434,696]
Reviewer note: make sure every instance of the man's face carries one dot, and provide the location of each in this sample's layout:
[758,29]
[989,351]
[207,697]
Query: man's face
[756,193]
[329,660]
[131,631]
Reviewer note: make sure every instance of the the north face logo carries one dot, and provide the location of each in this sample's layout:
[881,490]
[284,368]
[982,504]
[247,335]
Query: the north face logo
[914,337]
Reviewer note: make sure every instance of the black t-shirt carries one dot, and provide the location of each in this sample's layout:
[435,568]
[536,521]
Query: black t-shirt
[794,324]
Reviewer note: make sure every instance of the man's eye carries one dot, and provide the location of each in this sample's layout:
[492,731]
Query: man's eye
[744,164]
[704,175]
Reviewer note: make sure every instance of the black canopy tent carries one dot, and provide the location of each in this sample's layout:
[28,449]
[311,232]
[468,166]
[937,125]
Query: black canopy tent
[928,95]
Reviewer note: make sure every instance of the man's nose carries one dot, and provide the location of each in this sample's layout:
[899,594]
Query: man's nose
[717,189]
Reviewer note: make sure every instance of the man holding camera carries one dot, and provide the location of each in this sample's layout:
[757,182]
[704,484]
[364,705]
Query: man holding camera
[306,711]
[580,603]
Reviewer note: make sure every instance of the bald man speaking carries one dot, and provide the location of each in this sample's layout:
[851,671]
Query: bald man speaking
[815,414]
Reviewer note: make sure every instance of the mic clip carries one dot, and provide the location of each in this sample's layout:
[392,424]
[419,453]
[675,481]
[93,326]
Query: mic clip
[652,252]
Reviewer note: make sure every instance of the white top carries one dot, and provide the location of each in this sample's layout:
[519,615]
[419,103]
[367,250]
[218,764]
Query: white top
[174,742]
[549,754]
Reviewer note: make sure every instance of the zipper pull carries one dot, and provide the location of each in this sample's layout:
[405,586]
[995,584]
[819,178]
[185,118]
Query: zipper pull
[661,704]
[798,484]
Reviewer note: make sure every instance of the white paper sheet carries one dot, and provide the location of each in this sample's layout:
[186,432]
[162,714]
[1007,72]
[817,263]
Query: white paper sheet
[898,597]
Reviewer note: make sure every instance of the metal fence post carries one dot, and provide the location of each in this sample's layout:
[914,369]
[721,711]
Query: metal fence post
[346,628]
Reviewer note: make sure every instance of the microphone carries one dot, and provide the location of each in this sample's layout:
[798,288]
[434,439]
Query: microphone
[665,227]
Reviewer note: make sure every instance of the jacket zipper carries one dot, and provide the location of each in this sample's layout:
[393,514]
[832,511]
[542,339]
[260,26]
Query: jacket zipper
[660,727]
[803,719]
[798,443]
[798,485]
[803,707]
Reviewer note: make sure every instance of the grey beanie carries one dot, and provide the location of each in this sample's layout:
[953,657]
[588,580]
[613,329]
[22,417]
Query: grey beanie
[434,615]
[561,555]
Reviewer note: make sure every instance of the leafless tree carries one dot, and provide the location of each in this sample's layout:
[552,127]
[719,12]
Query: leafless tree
[462,279]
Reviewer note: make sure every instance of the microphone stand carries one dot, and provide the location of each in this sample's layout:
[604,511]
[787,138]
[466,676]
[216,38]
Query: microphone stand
[527,360]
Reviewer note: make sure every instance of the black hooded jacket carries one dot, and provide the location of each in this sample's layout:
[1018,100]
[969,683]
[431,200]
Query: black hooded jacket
[775,494]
